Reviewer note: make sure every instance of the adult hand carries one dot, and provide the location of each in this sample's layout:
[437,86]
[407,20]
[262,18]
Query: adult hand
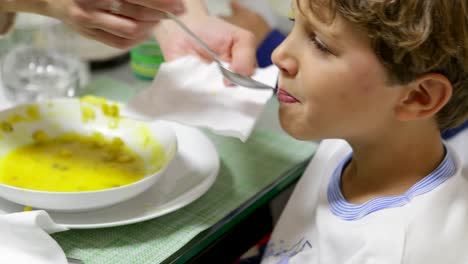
[232,44]
[118,23]
[249,20]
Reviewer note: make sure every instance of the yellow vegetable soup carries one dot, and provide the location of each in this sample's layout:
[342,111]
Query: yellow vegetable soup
[71,162]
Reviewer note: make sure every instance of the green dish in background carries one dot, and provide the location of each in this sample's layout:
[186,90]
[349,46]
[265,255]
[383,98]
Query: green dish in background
[146,60]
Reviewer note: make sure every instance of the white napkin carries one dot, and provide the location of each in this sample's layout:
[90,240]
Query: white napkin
[192,92]
[24,238]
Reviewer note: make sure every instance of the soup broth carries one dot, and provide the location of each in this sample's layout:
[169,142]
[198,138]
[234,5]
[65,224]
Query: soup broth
[71,163]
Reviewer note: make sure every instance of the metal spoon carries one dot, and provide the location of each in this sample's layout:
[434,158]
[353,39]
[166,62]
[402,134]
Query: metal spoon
[234,77]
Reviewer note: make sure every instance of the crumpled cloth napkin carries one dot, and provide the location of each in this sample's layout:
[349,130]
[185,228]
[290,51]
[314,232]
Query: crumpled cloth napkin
[191,92]
[24,238]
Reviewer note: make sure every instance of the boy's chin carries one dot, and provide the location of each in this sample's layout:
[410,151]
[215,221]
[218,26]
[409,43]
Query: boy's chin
[297,131]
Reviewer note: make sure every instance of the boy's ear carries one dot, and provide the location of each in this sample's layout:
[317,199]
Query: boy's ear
[423,97]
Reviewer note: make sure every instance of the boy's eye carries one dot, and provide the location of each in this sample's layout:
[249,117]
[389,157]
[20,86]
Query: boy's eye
[319,45]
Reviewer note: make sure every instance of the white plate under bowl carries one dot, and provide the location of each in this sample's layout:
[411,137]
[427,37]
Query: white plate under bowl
[189,176]
[155,143]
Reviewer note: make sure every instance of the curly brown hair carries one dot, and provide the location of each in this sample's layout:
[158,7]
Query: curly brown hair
[412,38]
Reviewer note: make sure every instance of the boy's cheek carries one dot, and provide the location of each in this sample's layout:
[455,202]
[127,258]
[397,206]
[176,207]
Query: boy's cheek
[366,77]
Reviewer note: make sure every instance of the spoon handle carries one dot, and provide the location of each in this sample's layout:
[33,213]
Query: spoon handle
[193,35]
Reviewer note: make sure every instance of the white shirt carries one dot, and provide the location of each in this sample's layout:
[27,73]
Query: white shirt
[459,143]
[427,225]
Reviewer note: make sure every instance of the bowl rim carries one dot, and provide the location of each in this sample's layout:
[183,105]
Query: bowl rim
[145,178]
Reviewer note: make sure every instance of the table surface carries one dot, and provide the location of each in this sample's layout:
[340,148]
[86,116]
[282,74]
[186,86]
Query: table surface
[250,175]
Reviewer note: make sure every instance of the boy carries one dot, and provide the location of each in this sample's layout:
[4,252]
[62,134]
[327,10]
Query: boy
[385,77]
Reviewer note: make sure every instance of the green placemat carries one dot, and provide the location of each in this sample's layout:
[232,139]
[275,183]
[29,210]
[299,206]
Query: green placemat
[246,169]
[112,89]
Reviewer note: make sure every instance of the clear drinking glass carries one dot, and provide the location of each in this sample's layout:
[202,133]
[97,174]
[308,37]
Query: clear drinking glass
[30,74]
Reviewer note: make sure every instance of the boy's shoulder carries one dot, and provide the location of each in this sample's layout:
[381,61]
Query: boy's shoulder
[438,230]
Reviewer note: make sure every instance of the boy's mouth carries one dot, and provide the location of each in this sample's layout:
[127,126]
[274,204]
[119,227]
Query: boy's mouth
[285,97]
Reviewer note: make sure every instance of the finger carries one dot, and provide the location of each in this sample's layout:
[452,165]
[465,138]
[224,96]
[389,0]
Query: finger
[88,4]
[236,7]
[174,6]
[243,53]
[113,40]
[121,26]
[227,82]
[136,12]
[141,13]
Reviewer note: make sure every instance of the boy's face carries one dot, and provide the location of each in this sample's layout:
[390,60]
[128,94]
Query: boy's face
[331,83]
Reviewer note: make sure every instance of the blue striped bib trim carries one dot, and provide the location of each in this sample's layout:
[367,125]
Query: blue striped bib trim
[350,212]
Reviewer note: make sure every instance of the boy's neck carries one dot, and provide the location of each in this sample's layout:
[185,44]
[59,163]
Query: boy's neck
[391,164]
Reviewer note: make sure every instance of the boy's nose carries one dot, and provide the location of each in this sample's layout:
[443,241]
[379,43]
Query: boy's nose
[284,61]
